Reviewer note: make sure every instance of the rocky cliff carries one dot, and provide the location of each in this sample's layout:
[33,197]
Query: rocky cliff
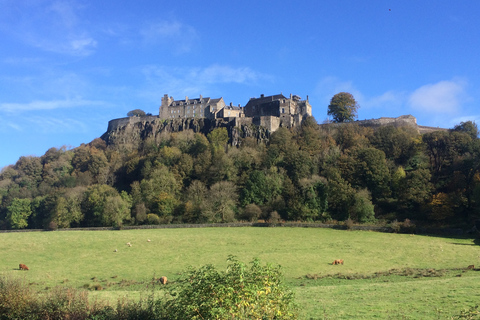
[134,131]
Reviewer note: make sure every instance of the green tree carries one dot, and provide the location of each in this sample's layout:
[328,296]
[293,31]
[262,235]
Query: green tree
[399,144]
[370,171]
[343,107]
[64,207]
[18,212]
[260,188]
[362,209]
[314,192]
[218,138]
[468,127]
[105,207]
[136,113]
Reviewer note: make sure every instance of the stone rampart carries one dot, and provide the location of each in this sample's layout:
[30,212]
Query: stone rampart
[122,122]
[407,120]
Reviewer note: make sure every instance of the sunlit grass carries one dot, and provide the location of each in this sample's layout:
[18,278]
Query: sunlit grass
[86,258]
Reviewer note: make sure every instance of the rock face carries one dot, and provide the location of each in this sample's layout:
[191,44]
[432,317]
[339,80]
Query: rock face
[134,131]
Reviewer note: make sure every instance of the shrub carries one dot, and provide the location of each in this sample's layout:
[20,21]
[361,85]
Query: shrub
[239,292]
[396,226]
[408,226]
[349,224]
[152,218]
[52,226]
[16,298]
[274,218]
[251,212]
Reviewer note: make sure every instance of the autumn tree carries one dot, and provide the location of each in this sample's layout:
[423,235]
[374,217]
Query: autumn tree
[343,107]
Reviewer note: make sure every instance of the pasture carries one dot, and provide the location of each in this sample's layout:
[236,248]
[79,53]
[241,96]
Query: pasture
[384,276]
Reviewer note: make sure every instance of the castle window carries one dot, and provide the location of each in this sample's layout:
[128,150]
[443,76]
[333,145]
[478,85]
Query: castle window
[283,110]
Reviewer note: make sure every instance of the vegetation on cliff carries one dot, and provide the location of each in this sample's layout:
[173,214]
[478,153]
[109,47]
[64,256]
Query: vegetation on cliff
[309,173]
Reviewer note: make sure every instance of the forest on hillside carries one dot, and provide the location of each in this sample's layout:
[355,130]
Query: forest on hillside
[308,173]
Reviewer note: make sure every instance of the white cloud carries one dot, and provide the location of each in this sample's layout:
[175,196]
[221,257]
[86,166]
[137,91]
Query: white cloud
[226,74]
[54,124]
[46,105]
[389,98]
[329,86]
[50,26]
[172,35]
[442,97]
[192,82]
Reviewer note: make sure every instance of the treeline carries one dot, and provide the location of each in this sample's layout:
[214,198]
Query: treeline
[309,173]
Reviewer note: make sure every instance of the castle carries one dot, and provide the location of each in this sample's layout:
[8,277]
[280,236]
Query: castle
[270,112]
[267,113]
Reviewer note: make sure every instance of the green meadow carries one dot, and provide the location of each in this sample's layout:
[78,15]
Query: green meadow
[384,276]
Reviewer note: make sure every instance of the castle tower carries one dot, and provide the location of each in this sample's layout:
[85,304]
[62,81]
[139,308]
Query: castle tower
[163,110]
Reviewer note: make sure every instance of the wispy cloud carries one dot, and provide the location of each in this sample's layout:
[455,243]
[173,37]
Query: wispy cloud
[50,26]
[327,87]
[226,74]
[172,35]
[47,105]
[54,124]
[442,97]
[194,81]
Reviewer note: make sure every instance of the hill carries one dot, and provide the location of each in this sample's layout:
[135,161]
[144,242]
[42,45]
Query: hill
[147,170]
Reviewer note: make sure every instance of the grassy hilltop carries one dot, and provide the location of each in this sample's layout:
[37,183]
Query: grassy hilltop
[429,280]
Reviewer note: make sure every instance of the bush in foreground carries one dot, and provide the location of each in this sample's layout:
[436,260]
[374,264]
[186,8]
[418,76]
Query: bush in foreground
[239,292]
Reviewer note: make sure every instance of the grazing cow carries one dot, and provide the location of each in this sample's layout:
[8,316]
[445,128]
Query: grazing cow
[471,267]
[163,280]
[22,267]
[338,261]
[129,244]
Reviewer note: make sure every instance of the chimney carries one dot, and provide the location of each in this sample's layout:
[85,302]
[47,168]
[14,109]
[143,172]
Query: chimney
[262,96]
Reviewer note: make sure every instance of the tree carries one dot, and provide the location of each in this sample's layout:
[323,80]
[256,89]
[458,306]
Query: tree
[468,127]
[363,209]
[343,107]
[104,206]
[18,212]
[314,198]
[222,201]
[136,113]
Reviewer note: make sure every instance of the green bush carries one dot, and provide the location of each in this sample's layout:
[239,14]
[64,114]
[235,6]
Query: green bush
[239,292]
[152,218]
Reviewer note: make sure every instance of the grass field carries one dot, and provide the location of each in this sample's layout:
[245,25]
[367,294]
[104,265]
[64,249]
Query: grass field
[429,280]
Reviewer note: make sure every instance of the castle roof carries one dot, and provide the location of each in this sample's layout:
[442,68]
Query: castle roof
[266,99]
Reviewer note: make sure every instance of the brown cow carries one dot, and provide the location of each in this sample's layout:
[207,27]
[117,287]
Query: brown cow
[22,267]
[163,280]
[338,261]
[471,267]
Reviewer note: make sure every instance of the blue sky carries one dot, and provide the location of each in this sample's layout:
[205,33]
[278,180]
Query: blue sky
[68,67]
